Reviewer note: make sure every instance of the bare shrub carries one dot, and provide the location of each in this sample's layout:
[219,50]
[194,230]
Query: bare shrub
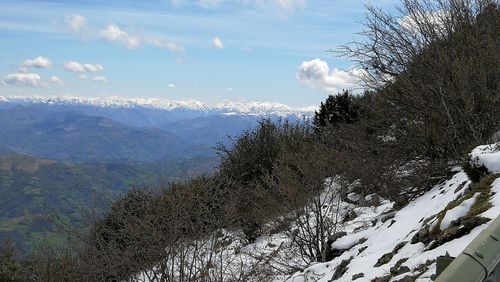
[432,71]
[306,198]
[434,66]
[245,165]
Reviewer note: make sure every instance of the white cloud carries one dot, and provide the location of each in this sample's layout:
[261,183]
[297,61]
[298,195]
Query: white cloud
[176,2]
[167,45]
[38,62]
[171,85]
[74,66]
[30,80]
[113,33]
[55,80]
[99,79]
[217,43]
[24,79]
[283,4]
[75,22]
[275,6]
[229,89]
[317,74]
[269,5]
[83,77]
[432,18]
[210,3]
[93,67]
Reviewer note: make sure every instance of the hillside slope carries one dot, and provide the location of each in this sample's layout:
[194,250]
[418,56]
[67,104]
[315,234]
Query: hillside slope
[405,244]
[34,189]
[79,137]
[373,241]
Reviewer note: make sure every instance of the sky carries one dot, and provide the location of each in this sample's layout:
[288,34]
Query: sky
[207,50]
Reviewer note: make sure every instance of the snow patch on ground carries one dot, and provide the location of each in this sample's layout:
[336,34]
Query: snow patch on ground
[489,156]
[382,238]
[370,235]
[458,211]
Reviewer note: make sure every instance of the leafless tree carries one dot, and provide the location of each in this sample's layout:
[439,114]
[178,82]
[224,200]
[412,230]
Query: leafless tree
[434,65]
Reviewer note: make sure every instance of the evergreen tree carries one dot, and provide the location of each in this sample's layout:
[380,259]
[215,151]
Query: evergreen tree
[337,109]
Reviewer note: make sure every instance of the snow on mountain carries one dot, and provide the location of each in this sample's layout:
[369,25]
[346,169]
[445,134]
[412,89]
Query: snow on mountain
[110,102]
[378,243]
[250,108]
[393,249]
[263,108]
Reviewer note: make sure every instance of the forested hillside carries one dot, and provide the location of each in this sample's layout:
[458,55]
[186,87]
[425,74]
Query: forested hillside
[40,196]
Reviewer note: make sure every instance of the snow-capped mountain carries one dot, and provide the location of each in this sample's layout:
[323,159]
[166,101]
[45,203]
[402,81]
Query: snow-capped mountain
[250,108]
[75,128]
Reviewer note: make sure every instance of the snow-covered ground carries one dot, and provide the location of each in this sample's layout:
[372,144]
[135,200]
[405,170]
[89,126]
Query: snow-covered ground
[489,156]
[379,242]
[384,237]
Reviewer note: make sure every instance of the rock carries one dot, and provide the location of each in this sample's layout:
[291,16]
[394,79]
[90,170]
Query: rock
[421,236]
[429,262]
[392,222]
[333,253]
[353,198]
[399,247]
[394,269]
[382,279]
[384,259]
[361,241]
[397,269]
[403,269]
[329,253]
[356,276]
[341,269]
[388,216]
[349,216]
[373,200]
[414,239]
[407,278]
[335,236]
[362,249]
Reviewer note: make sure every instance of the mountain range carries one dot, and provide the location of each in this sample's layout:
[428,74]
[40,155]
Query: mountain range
[111,129]
[70,157]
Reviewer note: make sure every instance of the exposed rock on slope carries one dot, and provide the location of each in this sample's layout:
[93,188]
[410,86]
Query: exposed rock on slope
[445,219]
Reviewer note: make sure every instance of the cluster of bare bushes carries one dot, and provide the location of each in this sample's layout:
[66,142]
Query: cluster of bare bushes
[432,71]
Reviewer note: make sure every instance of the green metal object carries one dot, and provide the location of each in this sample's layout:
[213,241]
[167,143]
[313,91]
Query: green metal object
[479,262]
[442,263]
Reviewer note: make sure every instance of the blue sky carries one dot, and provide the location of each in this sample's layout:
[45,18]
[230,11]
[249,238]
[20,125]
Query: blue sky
[208,50]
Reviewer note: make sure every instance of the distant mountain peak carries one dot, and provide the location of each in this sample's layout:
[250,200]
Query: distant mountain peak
[249,108]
